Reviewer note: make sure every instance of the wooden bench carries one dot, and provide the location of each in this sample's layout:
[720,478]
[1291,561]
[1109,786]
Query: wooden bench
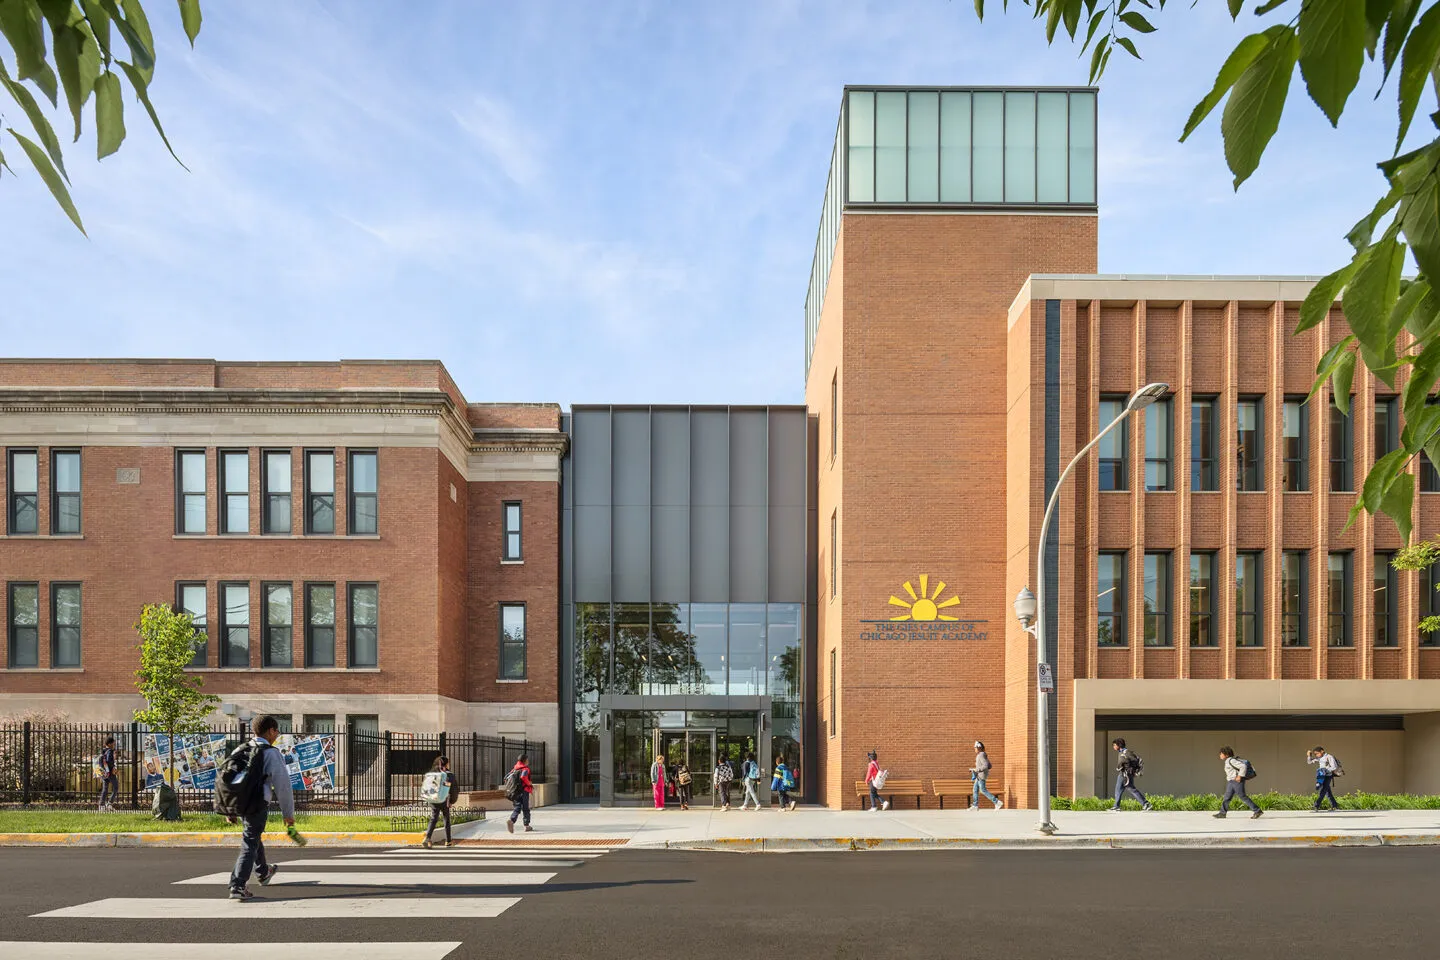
[893,786]
[961,788]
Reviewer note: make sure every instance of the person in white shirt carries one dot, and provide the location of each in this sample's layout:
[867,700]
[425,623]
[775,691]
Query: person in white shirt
[1326,767]
[1235,784]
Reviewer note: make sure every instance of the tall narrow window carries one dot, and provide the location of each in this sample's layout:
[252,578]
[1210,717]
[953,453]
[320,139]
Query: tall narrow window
[1429,476]
[1387,425]
[834,415]
[1295,435]
[512,641]
[319,625]
[1204,455]
[834,547]
[1338,598]
[192,599]
[1202,600]
[235,491]
[65,624]
[1158,446]
[1249,445]
[65,491]
[234,624]
[834,686]
[275,480]
[1248,592]
[1429,602]
[190,491]
[24,625]
[1341,454]
[1110,599]
[319,491]
[314,724]
[1112,447]
[510,511]
[1293,574]
[365,625]
[279,624]
[1384,600]
[1157,599]
[24,488]
[364,492]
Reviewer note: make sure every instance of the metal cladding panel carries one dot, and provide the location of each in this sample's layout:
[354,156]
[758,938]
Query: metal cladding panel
[670,560]
[710,458]
[590,455]
[630,431]
[749,456]
[787,458]
[748,533]
[632,553]
[592,553]
[787,554]
[670,458]
[709,554]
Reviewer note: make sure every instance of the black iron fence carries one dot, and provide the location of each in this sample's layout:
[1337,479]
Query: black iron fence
[55,765]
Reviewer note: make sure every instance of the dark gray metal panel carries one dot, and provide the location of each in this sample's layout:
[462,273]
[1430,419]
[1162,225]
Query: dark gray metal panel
[748,534]
[670,458]
[592,553]
[630,430]
[632,554]
[789,472]
[710,457]
[788,548]
[787,458]
[670,560]
[710,554]
[749,458]
[590,453]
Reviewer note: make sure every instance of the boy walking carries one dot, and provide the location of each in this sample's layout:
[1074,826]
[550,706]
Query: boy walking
[978,775]
[724,777]
[521,799]
[1235,770]
[750,774]
[1127,768]
[109,782]
[1327,768]
[275,786]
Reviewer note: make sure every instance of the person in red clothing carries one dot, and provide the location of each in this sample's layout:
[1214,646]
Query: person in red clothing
[871,772]
[521,771]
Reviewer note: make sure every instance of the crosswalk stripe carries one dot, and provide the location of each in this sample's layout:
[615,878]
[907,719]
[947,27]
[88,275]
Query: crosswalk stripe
[516,850]
[213,908]
[473,878]
[450,862]
[311,950]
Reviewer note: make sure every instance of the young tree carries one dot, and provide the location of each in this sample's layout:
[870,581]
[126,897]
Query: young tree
[174,700]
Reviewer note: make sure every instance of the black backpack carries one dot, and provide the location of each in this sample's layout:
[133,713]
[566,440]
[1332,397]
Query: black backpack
[1249,770]
[1136,765]
[240,781]
[515,784]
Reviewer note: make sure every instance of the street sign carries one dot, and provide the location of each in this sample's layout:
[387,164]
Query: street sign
[1046,676]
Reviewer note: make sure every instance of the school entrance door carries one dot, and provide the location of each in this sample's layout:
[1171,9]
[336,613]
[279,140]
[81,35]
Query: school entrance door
[697,749]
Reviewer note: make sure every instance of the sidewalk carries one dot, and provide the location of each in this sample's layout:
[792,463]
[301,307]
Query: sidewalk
[821,829]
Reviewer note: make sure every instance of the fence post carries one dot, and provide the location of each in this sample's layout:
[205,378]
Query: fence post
[504,764]
[442,743]
[349,769]
[134,765]
[386,771]
[25,764]
[476,782]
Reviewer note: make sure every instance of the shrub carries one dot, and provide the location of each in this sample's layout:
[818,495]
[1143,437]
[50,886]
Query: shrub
[1355,800]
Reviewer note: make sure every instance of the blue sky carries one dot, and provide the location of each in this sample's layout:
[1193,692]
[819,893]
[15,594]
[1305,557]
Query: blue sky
[591,202]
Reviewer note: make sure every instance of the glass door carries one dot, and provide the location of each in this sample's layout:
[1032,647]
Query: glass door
[702,764]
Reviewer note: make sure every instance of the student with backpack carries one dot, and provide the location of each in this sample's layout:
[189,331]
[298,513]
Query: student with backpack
[1128,766]
[724,777]
[109,782]
[252,776]
[438,789]
[518,789]
[1237,772]
[683,781]
[750,771]
[875,779]
[979,773]
[782,783]
[1327,768]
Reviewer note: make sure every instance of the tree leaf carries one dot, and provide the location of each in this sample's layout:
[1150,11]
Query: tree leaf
[99,19]
[1266,7]
[1397,28]
[1376,13]
[1235,7]
[68,44]
[52,179]
[1129,46]
[1398,503]
[1370,296]
[20,24]
[1052,20]
[1240,58]
[1423,373]
[1416,63]
[1332,49]
[1097,57]
[980,10]
[141,53]
[1322,297]
[1341,380]
[1252,114]
[144,96]
[109,115]
[1377,482]
[42,127]
[190,17]
[1072,17]
[1094,25]
[1331,362]
[1419,218]
[1137,22]
[1364,229]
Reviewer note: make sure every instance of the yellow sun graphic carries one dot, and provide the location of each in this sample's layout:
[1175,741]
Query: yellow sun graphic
[924,606]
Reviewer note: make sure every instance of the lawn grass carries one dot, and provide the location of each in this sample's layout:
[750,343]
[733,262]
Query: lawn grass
[1267,801]
[83,821]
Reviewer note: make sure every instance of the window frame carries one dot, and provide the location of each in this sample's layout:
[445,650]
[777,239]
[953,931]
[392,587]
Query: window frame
[1386,405]
[56,626]
[267,628]
[201,659]
[268,496]
[311,497]
[1203,468]
[352,627]
[222,478]
[1391,636]
[524,643]
[12,629]
[182,494]
[834,415]
[834,553]
[223,660]
[1301,617]
[1344,614]
[311,626]
[834,687]
[1429,602]
[1203,616]
[505,532]
[1301,462]
[12,496]
[306,725]
[1121,435]
[1119,638]
[1167,462]
[1256,616]
[1342,467]
[1164,593]
[353,497]
[1255,463]
[58,496]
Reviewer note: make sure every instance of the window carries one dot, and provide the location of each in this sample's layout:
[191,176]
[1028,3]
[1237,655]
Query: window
[65,492]
[1293,574]
[1340,450]
[1429,602]
[1384,600]
[1112,447]
[319,491]
[1157,599]
[24,487]
[275,487]
[1158,445]
[1387,426]
[1338,598]
[1429,476]
[234,491]
[190,491]
[1204,457]
[834,415]
[191,598]
[319,625]
[1248,628]
[1249,445]
[313,724]
[834,561]
[1202,600]
[24,625]
[279,624]
[65,624]
[365,625]
[1295,436]
[512,641]
[364,493]
[1111,600]
[834,685]
[234,624]
[510,512]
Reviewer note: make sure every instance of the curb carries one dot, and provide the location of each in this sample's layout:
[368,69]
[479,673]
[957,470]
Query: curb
[860,844]
[201,839]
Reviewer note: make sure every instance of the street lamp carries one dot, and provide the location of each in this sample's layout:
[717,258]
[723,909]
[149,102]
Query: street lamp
[1030,608]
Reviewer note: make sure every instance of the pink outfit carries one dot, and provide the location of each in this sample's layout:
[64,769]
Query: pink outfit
[659,786]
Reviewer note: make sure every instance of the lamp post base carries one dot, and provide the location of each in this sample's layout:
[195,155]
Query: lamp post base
[1046,827]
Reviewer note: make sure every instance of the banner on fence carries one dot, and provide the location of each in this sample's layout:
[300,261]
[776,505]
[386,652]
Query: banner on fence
[310,761]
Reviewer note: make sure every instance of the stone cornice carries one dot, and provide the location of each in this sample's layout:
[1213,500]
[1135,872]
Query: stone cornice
[182,400]
[519,440]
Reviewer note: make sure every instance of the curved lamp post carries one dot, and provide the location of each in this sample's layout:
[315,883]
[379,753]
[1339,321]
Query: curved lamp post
[1030,607]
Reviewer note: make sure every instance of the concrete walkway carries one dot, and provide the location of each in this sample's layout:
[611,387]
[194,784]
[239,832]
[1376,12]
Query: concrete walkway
[817,828]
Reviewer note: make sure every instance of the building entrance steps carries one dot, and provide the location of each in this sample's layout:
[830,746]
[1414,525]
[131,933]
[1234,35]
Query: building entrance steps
[821,829]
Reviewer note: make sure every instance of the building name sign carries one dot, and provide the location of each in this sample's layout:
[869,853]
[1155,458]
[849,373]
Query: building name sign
[925,618]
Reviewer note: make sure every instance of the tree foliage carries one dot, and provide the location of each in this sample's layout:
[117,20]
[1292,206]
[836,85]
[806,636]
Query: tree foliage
[1394,320]
[71,47]
[174,700]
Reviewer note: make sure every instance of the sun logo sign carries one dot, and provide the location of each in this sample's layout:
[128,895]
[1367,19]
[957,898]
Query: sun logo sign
[926,606]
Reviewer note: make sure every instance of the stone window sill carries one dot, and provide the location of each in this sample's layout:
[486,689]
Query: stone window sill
[42,669]
[526,680]
[42,536]
[512,563]
[282,669]
[272,536]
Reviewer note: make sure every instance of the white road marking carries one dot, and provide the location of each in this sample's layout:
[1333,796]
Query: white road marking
[214,908]
[473,878]
[413,862]
[516,851]
[66,950]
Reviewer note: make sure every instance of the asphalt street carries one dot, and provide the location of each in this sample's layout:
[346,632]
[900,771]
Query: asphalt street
[1269,904]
